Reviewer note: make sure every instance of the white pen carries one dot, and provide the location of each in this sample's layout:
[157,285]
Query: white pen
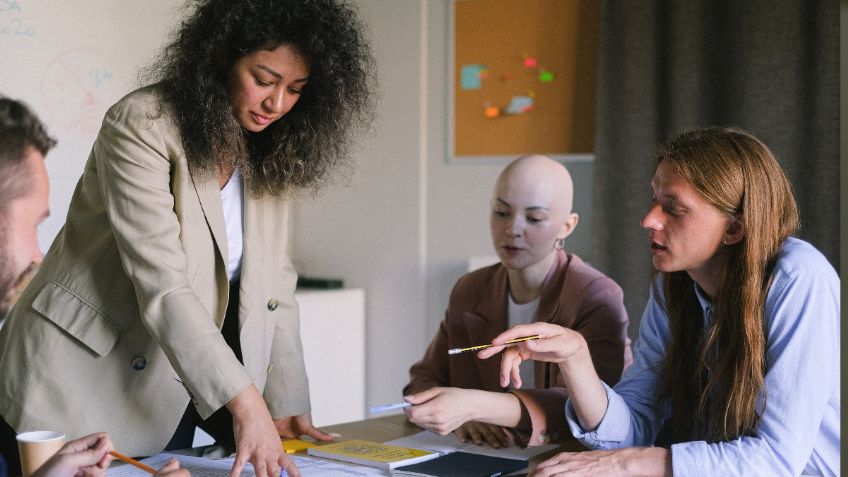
[389,407]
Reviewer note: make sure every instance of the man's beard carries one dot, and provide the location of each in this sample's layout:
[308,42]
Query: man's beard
[7,279]
[11,291]
[11,284]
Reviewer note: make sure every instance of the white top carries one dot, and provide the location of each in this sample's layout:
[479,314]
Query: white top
[232,199]
[522,314]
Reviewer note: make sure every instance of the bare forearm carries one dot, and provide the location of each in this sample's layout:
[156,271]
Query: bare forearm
[588,395]
[500,409]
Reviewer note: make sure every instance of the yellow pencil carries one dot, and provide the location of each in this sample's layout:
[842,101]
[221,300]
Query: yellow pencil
[479,347]
[130,460]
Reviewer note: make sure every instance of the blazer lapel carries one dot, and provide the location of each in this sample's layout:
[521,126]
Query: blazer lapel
[209,195]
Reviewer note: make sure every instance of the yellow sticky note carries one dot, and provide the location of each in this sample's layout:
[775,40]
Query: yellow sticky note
[296,445]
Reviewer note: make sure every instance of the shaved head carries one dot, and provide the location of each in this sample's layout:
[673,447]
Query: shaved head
[543,174]
[531,215]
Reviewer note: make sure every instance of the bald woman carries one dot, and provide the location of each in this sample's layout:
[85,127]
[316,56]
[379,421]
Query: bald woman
[536,280]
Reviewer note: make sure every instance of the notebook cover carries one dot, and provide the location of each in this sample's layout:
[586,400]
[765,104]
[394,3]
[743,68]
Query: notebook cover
[463,464]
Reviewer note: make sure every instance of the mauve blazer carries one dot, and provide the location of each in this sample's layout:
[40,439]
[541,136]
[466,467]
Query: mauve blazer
[121,326]
[575,296]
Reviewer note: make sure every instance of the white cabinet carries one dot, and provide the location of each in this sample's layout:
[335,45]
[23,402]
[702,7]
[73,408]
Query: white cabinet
[332,327]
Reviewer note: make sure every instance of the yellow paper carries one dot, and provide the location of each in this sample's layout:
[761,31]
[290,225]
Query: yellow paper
[371,453]
[296,445]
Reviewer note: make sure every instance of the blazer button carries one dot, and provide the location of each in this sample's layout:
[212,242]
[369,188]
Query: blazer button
[273,304]
[139,363]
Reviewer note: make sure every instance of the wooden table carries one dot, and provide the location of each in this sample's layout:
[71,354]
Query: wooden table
[386,428]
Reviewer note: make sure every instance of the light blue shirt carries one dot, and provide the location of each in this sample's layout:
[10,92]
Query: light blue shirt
[799,430]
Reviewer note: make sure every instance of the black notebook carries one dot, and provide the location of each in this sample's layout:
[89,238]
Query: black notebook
[463,464]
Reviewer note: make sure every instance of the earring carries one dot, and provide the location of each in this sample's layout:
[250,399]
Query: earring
[724,242]
[559,244]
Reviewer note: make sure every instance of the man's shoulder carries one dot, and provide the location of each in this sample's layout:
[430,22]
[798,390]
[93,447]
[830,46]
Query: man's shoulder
[797,256]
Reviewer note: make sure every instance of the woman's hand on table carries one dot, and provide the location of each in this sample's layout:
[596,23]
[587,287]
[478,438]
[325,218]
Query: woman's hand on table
[256,437]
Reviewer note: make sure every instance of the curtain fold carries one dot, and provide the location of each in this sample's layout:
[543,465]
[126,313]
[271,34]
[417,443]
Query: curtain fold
[769,67]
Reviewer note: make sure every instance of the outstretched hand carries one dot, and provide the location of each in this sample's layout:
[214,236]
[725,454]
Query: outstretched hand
[556,345]
[257,440]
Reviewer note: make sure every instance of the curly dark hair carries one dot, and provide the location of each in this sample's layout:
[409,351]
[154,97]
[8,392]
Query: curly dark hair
[300,150]
[20,129]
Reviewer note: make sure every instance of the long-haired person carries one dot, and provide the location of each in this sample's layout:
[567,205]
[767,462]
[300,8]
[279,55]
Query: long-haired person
[736,368]
[169,292]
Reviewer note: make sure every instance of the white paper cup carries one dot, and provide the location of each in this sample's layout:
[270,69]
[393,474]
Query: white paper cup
[36,447]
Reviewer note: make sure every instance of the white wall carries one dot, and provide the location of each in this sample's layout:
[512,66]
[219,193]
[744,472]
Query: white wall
[70,61]
[409,220]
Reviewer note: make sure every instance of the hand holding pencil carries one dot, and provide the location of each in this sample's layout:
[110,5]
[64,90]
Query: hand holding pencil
[511,342]
[91,455]
[555,344]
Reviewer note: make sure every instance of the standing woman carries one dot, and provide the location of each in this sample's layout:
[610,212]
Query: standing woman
[168,299]
[736,369]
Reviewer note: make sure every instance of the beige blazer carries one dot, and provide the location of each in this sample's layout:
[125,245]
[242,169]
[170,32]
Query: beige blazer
[121,326]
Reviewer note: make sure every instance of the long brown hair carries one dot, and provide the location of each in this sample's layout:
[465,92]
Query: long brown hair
[716,392]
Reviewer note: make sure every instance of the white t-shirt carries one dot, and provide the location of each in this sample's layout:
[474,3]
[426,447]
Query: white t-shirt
[232,199]
[522,314]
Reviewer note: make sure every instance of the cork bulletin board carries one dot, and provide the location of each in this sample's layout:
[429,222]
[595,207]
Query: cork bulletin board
[523,79]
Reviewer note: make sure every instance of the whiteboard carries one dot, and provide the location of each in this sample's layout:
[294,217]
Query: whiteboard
[69,60]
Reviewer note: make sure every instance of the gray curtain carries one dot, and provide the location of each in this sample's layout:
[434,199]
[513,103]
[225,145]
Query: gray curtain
[771,67]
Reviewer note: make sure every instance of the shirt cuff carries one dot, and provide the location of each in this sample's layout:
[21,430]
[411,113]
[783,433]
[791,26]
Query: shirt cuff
[613,429]
[684,458]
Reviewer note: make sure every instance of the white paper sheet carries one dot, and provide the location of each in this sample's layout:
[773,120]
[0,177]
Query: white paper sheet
[204,467]
[431,441]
